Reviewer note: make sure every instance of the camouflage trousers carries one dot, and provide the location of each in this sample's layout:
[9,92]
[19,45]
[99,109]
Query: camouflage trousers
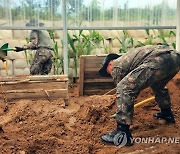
[154,72]
[42,62]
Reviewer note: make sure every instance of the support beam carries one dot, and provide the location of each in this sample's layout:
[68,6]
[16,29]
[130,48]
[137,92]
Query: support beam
[65,48]
[178,26]
[87,28]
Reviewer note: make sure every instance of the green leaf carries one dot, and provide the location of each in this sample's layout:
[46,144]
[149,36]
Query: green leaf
[80,32]
[174,45]
[147,32]
[140,43]
[172,33]
[162,38]
[71,44]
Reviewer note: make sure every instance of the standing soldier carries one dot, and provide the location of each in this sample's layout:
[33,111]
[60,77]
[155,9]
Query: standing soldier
[134,71]
[41,42]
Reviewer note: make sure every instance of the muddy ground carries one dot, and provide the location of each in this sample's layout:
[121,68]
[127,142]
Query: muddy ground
[42,127]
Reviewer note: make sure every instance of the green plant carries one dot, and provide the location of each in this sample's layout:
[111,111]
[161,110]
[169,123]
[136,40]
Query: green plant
[57,59]
[172,34]
[81,44]
[72,52]
[28,54]
[149,39]
[163,36]
[125,41]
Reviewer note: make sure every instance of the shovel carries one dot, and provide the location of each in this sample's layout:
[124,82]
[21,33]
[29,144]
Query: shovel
[5,48]
[3,53]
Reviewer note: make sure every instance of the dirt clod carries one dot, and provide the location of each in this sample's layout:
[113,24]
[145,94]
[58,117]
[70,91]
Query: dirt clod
[1,129]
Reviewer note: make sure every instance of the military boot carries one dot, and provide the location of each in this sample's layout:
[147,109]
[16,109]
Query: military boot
[165,114]
[121,136]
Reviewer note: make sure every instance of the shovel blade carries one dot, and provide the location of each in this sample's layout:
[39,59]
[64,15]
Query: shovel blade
[4,46]
[3,51]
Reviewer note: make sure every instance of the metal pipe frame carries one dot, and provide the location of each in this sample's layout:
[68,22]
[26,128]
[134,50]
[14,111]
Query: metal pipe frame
[65,39]
[178,26]
[87,28]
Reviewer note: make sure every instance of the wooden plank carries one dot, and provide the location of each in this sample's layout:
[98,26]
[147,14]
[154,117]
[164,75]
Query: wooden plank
[93,65]
[34,87]
[91,69]
[99,80]
[81,77]
[95,60]
[94,75]
[12,78]
[92,82]
[48,77]
[34,78]
[93,56]
[92,59]
[34,94]
[37,85]
[99,85]
[14,82]
[30,82]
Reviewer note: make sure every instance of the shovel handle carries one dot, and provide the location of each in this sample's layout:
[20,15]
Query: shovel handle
[6,66]
[9,49]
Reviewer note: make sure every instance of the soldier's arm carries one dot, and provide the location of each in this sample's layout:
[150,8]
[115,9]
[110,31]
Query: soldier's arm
[33,41]
[117,75]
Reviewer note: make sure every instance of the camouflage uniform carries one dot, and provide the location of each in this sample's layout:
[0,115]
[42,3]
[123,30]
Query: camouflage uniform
[142,67]
[42,62]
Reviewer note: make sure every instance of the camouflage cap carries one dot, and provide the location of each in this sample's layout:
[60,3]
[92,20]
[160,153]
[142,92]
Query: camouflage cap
[106,61]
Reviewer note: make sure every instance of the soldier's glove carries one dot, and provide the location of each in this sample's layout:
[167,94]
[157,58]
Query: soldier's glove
[2,59]
[18,49]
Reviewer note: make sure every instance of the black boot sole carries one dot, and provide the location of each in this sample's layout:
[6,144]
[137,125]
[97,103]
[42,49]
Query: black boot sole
[169,120]
[112,143]
[108,143]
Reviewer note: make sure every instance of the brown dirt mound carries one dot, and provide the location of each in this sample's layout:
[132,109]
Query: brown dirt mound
[30,127]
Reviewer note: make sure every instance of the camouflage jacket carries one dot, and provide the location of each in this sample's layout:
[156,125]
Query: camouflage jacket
[40,38]
[134,58]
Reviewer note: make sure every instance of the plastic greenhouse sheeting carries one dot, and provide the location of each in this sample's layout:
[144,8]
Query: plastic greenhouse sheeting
[89,13]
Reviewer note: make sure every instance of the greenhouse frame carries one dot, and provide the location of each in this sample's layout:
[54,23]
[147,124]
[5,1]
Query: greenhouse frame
[66,15]
[89,76]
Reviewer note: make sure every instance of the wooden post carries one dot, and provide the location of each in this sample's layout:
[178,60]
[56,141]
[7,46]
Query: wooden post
[81,78]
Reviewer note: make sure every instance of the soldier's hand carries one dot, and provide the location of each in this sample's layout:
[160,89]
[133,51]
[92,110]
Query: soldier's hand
[2,59]
[17,49]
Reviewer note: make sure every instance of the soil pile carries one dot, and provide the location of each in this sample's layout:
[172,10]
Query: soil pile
[30,127]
